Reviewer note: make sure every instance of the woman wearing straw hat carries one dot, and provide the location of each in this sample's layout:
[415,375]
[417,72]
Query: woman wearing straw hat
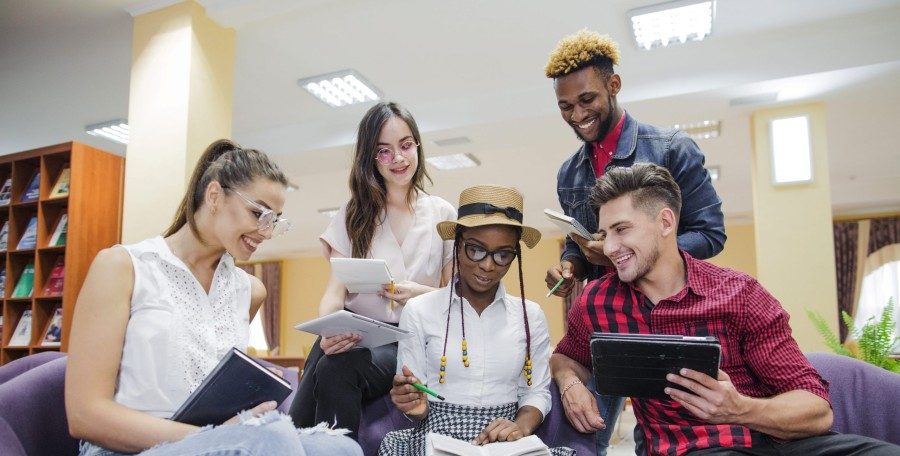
[486,352]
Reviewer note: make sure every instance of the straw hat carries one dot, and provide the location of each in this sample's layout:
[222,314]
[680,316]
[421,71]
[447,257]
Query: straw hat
[489,205]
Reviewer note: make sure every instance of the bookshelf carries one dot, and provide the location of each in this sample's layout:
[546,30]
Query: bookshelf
[93,211]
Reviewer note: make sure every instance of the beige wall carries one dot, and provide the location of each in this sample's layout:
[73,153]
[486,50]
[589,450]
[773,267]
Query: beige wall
[303,282]
[793,225]
[740,249]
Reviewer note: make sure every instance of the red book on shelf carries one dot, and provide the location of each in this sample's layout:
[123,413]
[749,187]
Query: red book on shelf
[54,286]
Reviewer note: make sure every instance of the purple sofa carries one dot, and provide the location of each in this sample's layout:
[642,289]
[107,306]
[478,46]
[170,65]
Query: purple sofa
[33,420]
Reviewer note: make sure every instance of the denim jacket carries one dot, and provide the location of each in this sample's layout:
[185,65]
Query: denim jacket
[701,227]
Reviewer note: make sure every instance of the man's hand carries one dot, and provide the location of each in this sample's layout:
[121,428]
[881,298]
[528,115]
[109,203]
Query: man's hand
[565,269]
[339,343]
[716,401]
[406,397]
[499,430]
[593,249]
[581,409]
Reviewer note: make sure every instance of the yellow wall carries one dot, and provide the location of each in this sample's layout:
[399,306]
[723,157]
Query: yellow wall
[303,281]
[794,234]
[740,249]
[179,101]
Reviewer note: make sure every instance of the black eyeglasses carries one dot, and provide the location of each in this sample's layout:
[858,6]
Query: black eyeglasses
[476,253]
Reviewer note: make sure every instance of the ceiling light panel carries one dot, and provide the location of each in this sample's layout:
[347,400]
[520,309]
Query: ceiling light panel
[453,161]
[342,88]
[701,130]
[672,23]
[113,130]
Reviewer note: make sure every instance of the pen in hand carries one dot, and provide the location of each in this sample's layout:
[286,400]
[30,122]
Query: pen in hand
[561,280]
[425,390]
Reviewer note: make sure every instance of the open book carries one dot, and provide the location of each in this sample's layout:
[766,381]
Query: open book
[441,445]
[374,333]
[361,275]
[568,224]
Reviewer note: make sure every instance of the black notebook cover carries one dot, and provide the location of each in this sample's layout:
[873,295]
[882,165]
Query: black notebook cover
[237,383]
[635,365]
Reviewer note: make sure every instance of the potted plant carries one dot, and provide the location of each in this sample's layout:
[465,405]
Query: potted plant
[875,339]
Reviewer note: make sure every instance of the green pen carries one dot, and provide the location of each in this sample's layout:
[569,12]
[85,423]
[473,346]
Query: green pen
[561,280]
[425,390]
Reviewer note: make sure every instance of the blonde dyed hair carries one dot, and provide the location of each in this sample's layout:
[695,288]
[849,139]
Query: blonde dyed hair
[579,50]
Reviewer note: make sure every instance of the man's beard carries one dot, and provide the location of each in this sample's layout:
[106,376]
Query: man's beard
[642,268]
[605,127]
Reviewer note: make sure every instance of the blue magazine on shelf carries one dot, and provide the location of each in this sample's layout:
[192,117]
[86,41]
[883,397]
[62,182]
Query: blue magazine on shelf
[29,238]
[33,191]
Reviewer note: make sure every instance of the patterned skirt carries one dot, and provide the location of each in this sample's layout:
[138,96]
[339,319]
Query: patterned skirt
[461,422]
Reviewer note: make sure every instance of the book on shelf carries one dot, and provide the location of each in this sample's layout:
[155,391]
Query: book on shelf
[53,334]
[61,187]
[237,383]
[6,192]
[25,285]
[29,237]
[58,238]
[1,324]
[442,445]
[33,191]
[54,285]
[22,335]
[2,282]
[4,236]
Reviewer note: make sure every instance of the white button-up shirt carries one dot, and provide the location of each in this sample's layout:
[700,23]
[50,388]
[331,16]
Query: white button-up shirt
[496,349]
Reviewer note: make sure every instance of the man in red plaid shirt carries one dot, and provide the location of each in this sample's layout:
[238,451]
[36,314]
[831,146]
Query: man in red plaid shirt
[767,398]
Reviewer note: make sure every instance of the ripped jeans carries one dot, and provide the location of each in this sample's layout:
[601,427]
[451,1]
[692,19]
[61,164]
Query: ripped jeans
[270,434]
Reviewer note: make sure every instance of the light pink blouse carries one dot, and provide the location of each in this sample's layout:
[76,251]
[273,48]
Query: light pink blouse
[419,258]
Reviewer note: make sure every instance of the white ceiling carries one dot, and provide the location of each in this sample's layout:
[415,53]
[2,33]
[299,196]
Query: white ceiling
[474,68]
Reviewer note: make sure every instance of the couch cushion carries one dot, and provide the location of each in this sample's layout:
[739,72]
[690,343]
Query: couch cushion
[12,369]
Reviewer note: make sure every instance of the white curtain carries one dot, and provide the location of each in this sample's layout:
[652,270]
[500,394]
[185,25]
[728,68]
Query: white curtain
[880,283]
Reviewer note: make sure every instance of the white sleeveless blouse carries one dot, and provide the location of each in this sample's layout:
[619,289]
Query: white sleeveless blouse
[176,333]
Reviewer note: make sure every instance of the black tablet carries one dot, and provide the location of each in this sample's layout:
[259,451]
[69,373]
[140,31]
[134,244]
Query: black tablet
[635,365]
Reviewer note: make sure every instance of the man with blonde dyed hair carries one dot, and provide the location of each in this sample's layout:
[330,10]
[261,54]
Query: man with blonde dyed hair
[586,85]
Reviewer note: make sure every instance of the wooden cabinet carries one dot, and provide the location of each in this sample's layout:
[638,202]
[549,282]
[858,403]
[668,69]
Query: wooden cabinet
[92,210]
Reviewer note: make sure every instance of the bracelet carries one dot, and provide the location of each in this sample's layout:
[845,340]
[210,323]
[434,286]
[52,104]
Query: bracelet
[571,384]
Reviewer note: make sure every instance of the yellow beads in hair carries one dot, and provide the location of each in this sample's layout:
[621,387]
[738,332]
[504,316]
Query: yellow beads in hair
[465,353]
[443,368]
[527,369]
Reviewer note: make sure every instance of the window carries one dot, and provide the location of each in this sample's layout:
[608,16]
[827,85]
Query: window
[257,334]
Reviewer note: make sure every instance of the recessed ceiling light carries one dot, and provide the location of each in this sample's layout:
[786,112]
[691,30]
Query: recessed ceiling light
[672,22]
[114,130]
[453,161]
[329,212]
[455,141]
[341,88]
[701,130]
[713,173]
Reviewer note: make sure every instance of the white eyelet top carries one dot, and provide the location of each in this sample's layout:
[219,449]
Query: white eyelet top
[176,333]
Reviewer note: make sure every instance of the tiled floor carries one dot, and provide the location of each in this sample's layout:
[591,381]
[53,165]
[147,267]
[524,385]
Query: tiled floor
[622,442]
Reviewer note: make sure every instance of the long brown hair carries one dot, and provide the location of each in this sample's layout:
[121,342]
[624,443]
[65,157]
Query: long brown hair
[231,166]
[368,193]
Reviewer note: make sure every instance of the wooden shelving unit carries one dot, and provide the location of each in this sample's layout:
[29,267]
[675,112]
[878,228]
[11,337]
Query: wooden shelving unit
[94,210]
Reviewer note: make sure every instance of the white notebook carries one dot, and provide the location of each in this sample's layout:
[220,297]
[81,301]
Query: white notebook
[374,333]
[361,275]
[441,445]
[568,224]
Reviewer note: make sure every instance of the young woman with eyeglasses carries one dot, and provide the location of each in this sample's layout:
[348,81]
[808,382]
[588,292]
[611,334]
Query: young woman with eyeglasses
[154,318]
[484,351]
[390,217]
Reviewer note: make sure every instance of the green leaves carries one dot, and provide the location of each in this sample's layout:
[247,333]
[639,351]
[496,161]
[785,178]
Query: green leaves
[875,338]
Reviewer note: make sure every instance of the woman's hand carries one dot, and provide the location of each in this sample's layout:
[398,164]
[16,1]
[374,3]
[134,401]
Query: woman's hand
[403,291]
[499,430]
[406,397]
[339,343]
[255,411]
